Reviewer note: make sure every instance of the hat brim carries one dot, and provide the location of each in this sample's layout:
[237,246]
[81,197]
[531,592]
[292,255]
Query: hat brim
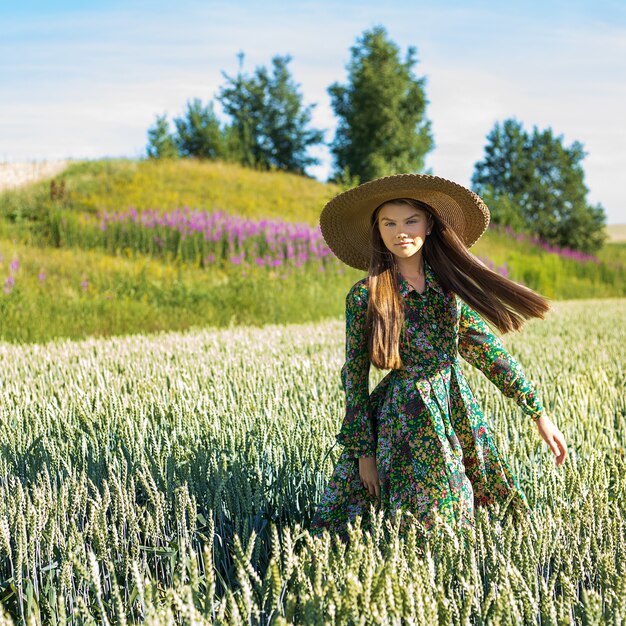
[345,220]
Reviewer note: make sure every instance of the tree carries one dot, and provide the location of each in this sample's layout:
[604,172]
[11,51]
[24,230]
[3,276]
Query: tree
[534,183]
[269,119]
[382,126]
[198,132]
[286,120]
[161,143]
[243,99]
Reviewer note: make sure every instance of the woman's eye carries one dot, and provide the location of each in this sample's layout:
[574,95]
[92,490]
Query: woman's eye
[411,221]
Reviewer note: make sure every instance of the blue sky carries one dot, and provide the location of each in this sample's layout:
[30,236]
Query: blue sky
[86,79]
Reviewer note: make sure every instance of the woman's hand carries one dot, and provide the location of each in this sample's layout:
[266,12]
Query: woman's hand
[369,475]
[553,437]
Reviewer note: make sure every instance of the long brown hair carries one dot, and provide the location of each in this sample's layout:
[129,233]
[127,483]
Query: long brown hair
[506,304]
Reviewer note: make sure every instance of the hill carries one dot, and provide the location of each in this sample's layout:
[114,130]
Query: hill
[75,260]
[117,184]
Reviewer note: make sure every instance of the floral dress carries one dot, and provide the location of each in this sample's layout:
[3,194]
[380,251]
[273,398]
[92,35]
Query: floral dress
[433,446]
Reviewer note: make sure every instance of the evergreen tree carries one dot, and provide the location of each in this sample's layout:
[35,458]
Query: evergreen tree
[382,126]
[243,100]
[534,183]
[285,123]
[198,132]
[161,144]
[269,120]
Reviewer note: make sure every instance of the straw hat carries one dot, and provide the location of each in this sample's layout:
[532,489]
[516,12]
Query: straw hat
[345,220]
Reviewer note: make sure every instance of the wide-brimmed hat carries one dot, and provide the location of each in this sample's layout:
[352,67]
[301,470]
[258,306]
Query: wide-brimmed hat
[345,221]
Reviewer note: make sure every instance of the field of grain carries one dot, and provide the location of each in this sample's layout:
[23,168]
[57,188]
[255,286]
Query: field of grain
[171,479]
[617,232]
[13,175]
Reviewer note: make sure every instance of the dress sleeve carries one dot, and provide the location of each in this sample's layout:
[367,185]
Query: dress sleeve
[482,349]
[356,434]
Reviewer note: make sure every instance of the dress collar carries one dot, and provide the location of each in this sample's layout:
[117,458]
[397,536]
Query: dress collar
[431,282]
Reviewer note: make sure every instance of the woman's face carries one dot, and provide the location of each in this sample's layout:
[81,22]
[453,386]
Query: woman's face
[403,228]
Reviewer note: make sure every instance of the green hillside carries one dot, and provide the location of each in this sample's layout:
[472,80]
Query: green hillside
[115,185]
[67,272]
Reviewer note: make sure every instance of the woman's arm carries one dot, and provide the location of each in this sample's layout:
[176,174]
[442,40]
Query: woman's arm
[356,434]
[482,349]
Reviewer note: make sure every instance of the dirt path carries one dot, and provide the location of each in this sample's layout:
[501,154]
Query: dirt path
[16,174]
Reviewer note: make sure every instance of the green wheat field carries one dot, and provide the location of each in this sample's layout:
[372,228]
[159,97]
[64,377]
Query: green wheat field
[170,479]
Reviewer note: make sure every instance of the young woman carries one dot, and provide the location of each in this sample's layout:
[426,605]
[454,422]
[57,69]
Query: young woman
[420,442]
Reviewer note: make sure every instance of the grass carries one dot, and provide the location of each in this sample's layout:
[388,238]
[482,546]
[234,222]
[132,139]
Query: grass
[614,253]
[120,282]
[75,293]
[118,184]
[553,275]
[85,293]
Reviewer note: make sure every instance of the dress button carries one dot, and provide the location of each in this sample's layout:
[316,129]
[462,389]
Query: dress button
[434,325]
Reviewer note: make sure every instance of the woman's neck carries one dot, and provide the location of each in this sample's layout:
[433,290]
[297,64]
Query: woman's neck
[411,267]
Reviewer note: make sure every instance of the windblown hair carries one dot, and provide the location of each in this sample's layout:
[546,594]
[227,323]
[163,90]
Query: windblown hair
[504,303]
